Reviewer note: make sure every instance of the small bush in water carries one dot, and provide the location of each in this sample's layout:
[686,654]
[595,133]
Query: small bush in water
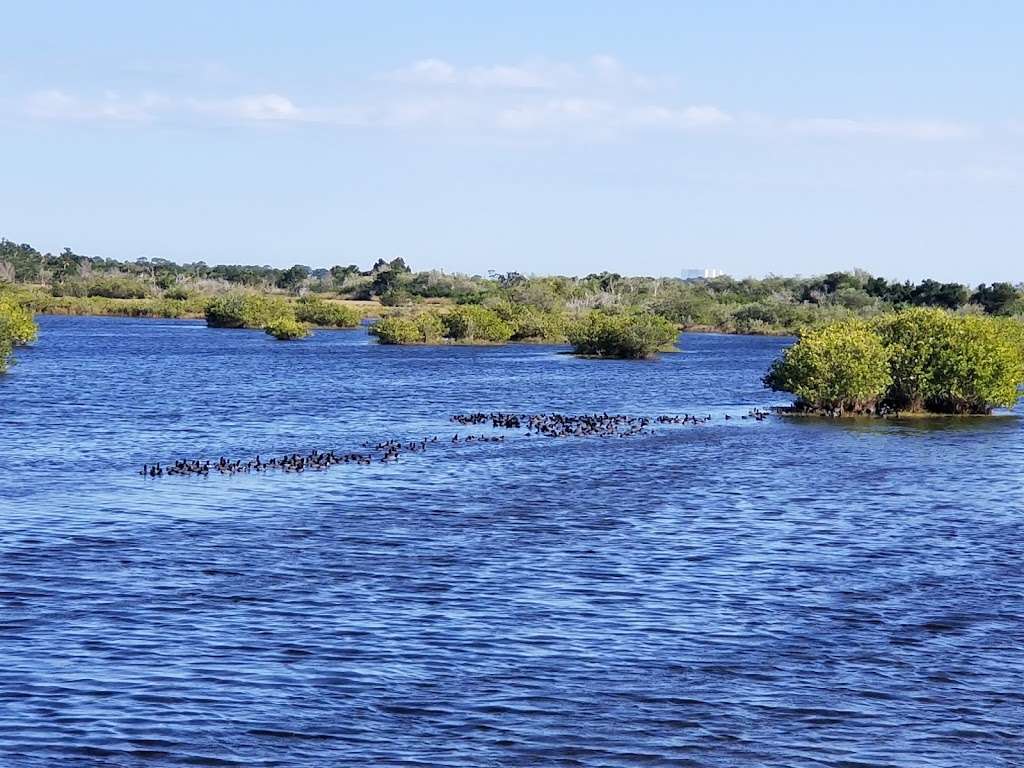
[286,329]
[472,322]
[325,314]
[918,360]
[245,310]
[531,323]
[838,369]
[421,329]
[16,328]
[626,336]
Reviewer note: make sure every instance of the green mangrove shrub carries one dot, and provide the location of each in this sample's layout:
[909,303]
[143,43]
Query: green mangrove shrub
[474,323]
[425,328]
[842,368]
[286,329]
[17,328]
[917,360]
[326,314]
[531,323]
[630,336]
[16,321]
[468,324]
[945,363]
[245,310]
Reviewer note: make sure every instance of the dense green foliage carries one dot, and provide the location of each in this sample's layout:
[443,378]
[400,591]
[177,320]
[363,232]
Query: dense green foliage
[245,310]
[945,363]
[16,327]
[16,320]
[286,329]
[474,323]
[325,314]
[842,368]
[531,323]
[470,324]
[105,287]
[918,360]
[629,335]
[425,328]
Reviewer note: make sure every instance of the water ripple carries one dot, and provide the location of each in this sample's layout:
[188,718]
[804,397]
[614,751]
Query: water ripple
[790,594]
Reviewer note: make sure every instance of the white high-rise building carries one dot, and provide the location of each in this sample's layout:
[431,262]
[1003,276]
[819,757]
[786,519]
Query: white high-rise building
[706,273]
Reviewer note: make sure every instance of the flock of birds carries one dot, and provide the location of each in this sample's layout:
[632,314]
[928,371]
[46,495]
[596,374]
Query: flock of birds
[387,451]
[589,425]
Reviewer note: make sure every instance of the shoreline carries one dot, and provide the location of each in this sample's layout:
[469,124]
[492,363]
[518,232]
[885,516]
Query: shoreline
[789,412]
[700,329]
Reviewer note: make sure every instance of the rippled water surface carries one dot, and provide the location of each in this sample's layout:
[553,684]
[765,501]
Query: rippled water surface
[786,593]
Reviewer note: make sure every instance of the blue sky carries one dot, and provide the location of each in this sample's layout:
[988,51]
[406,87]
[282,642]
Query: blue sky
[642,138]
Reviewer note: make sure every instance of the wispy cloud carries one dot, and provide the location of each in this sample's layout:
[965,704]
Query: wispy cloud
[596,98]
[55,104]
[923,130]
[437,72]
[701,116]
[595,74]
[260,107]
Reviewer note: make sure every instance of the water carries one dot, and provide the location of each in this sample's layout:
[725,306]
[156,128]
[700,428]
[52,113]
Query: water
[787,593]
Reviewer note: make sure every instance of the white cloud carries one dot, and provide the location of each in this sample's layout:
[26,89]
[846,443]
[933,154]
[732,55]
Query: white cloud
[267,106]
[607,71]
[554,113]
[595,98]
[55,104]
[923,130]
[608,118]
[704,116]
[437,72]
[431,71]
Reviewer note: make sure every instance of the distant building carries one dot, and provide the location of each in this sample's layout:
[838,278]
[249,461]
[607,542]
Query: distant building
[696,274]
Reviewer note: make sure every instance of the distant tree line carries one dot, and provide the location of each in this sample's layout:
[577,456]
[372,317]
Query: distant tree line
[21,263]
[769,305]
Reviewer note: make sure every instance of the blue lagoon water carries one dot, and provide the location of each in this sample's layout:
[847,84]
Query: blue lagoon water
[785,593]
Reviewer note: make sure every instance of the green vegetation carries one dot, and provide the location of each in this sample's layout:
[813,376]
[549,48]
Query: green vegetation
[944,345]
[286,329]
[17,328]
[278,316]
[326,315]
[629,336]
[842,368]
[531,323]
[426,328]
[165,308]
[915,361]
[475,324]
[178,302]
[177,293]
[470,324]
[537,308]
[246,310]
[105,287]
[943,363]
